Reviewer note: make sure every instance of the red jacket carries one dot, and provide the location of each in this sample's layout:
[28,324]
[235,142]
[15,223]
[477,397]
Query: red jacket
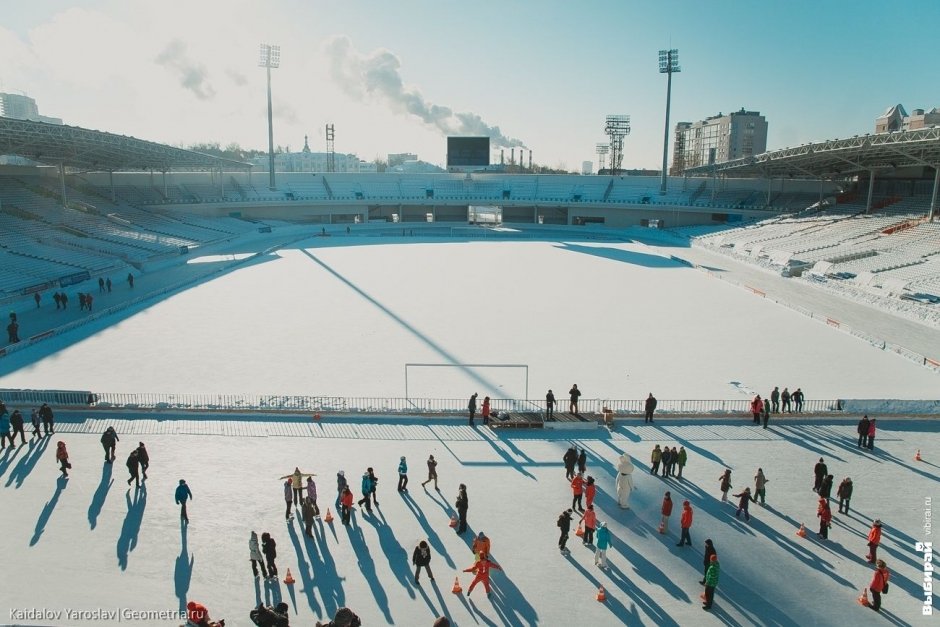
[590,490]
[590,519]
[347,499]
[61,453]
[482,569]
[667,507]
[871,429]
[825,514]
[486,408]
[577,485]
[879,579]
[686,521]
[874,536]
[757,406]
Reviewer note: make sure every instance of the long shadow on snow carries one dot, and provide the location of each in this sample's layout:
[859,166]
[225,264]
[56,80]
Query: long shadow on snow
[325,577]
[303,570]
[28,461]
[47,510]
[631,257]
[398,558]
[183,569]
[613,604]
[127,541]
[797,437]
[646,604]
[367,567]
[758,610]
[433,539]
[101,493]
[7,457]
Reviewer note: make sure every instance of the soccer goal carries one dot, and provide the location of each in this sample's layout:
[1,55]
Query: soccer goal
[459,380]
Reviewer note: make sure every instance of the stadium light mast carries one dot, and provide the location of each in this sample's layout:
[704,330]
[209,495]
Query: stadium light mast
[668,64]
[602,150]
[270,57]
[617,127]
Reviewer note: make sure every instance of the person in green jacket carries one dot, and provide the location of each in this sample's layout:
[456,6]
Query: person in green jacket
[711,582]
[601,543]
[683,457]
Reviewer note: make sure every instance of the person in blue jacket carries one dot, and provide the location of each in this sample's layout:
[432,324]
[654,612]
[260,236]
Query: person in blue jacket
[183,493]
[5,431]
[366,492]
[402,475]
[601,544]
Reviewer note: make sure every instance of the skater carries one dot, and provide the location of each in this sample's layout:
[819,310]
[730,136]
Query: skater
[819,473]
[844,492]
[871,434]
[100,284]
[375,485]
[797,397]
[402,475]
[744,500]
[48,420]
[577,491]
[183,493]
[254,554]
[766,415]
[346,503]
[757,408]
[564,524]
[197,615]
[37,298]
[725,484]
[760,486]
[13,332]
[81,301]
[655,458]
[288,497]
[472,407]
[421,558]
[144,458]
[590,491]
[482,570]
[785,400]
[582,462]
[58,300]
[341,484]
[307,512]
[825,489]
[666,511]
[673,460]
[825,519]
[312,495]
[432,473]
[133,467]
[62,455]
[65,300]
[665,458]
[709,551]
[485,411]
[5,431]
[109,440]
[271,616]
[874,539]
[366,492]
[589,518]
[34,418]
[462,504]
[775,400]
[603,543]
[130,280]
[879,584]
[711,582]
[297,484]
[16,423]
[574,394]
[570,459]
[686,523]
[107,284]
[683,457]
[88,301]
[550,406]
[269,548]
[480,546]
[649,407]
[863,425]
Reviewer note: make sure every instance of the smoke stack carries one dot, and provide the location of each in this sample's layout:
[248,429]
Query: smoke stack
[530,159]
[502,157]
[512,157]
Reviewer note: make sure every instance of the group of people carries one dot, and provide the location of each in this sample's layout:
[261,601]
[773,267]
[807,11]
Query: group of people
[866,433]
[137,462]
[778,402]
[14,424]
[668,461]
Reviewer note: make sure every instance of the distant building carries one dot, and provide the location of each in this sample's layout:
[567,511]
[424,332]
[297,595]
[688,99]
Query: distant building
[718,138]
[897,119]
[415,167]
[22,107]
[400,157]
[307,161]
[587,167]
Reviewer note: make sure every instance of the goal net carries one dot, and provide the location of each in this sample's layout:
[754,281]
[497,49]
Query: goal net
[461,380]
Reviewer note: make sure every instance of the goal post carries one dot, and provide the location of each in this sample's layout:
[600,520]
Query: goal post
[471,370]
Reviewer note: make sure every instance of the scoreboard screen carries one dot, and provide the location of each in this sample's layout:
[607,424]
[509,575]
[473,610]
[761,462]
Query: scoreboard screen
[468,151]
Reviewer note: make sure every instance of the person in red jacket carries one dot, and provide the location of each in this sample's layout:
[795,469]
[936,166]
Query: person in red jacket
[577,489]
[346,502]
[666,512]
[879,584]
[874,539]
[686,523]
[590,491]
[485,412]
[197,614]
[825,519]
[482,570]
[757,408]
[590,524]
[62,454]
[871,434]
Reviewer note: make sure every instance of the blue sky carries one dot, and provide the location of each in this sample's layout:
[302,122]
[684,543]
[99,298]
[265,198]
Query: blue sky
[545,73]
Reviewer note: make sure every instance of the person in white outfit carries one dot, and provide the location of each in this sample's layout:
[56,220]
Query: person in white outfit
[624,481]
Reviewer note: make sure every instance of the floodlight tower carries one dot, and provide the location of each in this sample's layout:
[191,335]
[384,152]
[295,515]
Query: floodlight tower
[602,150]
[668,63]
[617,127]
[270,57]
[330,151]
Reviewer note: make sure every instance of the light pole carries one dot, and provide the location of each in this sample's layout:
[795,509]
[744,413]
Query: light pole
[602,152]
[668,63]
[617,127]
[270,57]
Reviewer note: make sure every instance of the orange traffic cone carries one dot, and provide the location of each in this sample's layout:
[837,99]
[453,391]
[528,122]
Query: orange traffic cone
[580,531]
[863,598]
[453,521]
[289,579]
[457,589]
[917,457]
[601,596]
[802,531]
[329,516]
